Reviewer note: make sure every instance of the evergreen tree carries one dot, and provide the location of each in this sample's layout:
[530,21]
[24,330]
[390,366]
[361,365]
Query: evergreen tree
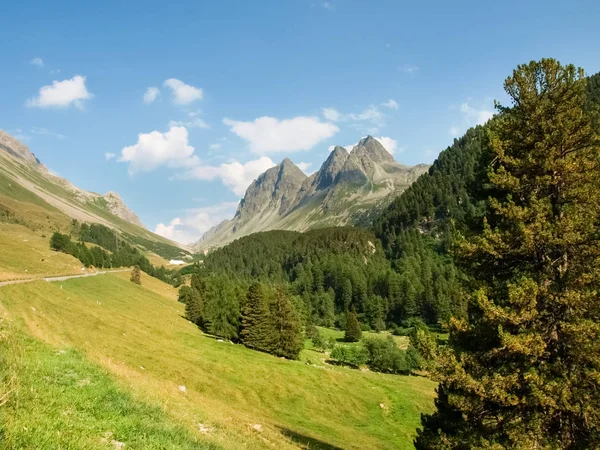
[221,308]
[287,332]
[524,370]
[353,331]
[136,276]
[194,306]
[256,331]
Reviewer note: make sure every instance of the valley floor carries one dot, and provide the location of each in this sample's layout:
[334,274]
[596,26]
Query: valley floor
[78,354]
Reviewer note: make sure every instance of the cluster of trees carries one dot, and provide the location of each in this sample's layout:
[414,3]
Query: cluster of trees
[109,251]
[332,270]
[258,316]
[522,368]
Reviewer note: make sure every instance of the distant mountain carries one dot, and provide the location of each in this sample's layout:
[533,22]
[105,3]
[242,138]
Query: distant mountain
[32,195]
[342,190]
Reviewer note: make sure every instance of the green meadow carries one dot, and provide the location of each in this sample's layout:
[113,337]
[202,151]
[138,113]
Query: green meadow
[96,362]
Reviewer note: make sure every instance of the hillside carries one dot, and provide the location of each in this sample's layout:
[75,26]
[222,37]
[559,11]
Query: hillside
[106,342]
[41,203]
[345,187]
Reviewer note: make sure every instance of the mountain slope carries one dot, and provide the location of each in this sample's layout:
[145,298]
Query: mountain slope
[346,185]
[33,197]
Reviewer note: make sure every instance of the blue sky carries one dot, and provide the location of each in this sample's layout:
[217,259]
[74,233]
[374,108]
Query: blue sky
[179,105]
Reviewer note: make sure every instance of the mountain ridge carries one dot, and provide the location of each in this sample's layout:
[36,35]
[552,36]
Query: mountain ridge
[346,185]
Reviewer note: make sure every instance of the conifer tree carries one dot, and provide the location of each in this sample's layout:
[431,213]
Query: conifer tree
[287,331]
[194,307]
[353,331]
[136,276]
[256,331]
[524,369]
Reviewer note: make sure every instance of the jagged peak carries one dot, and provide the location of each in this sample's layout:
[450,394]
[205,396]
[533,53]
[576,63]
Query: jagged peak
[372,148]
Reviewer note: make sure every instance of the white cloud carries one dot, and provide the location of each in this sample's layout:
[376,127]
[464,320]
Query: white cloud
[167,230]
[183,93]
[475,116]
[235,175]
[37,61]
[62,94]
[194,121]
[151,94]
[454,131]
[304,167]
[216,146]
[371,115]
[408,68]
[155,149]
[196,221]
[391,104]
[108,156]
[54,71]
[46,132]
[271,135]
[391,145]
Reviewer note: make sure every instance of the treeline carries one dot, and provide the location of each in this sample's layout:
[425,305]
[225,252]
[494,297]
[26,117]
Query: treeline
[260,317]
[108,252]
[331,271]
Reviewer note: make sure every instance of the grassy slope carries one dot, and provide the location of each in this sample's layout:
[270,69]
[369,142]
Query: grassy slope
[25,254]
[139,335]
[61,400]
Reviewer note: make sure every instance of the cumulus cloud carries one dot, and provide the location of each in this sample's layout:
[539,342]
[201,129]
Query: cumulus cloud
[195,222]
[155,149]
[37,61]
[108,156]
[62,94]
[151,94]
[270,135]
[167,230]
[475,116]
[305,167]
[391,145]
[182,93]
[194,121]
[391,104]
[235,175]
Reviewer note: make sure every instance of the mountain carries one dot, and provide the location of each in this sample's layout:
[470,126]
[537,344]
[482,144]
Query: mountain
[345,187]
[34,197]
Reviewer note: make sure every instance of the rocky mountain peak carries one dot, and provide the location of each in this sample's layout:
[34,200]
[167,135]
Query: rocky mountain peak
[372,148]
[116,206]
[16,149]
[325,177]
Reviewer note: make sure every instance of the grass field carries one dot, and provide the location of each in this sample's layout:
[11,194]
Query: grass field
[221,394]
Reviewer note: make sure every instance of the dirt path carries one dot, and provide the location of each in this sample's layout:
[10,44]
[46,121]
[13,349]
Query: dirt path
[61,278]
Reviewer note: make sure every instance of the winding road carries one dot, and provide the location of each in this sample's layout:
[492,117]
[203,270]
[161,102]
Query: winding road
[60,278]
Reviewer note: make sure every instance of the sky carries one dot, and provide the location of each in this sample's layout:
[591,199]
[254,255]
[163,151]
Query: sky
[178,106]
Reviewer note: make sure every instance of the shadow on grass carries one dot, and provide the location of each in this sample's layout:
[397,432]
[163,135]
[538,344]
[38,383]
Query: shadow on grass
[307,441]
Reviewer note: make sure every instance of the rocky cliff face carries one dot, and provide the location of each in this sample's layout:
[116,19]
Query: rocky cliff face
[346,185]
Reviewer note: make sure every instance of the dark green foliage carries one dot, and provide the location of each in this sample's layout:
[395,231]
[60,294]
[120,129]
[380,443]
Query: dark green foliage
[184,294]
[287,331]
[353,330]
[523,367]
[194,306]
[221,308]
[136,276]
[256,330]
[122,254]
[163,249]
[385,356]
[352,355]
[318,341]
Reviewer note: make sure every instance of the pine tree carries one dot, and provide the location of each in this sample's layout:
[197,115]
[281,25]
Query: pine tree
[287,331]
[194,307]
[256,331]
[524,370]
[353,331]
[136,276]
[221,308]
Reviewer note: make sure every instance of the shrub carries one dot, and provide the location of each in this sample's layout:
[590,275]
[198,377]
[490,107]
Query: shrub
[385,356]
[353,355]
